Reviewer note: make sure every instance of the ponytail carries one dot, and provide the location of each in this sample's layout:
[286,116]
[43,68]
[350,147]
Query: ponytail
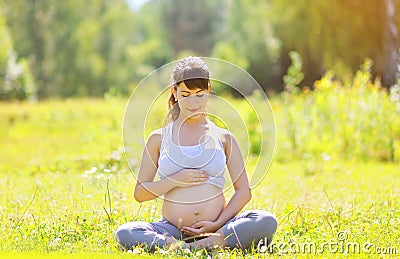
[173,107]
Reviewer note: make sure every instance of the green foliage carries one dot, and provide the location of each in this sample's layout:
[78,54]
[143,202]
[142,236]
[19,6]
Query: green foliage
[5,44]
[294,75]
[358,121]
[17,81]
[73,50]
[329,32]
[249,40]
[191,25]
[226,51]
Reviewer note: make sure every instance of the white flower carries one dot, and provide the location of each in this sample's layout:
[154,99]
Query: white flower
[90,172]
[326,157]
[115,155]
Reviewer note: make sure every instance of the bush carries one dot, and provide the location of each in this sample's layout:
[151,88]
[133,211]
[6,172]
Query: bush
[358,121]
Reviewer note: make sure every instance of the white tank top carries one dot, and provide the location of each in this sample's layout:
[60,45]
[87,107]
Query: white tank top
[208,156]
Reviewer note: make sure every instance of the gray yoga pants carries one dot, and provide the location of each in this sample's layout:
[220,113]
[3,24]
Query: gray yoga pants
[244,231]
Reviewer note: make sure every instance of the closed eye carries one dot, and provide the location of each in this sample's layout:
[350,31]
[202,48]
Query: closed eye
[198,95]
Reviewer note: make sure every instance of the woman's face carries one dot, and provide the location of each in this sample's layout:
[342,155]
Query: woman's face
[192,103]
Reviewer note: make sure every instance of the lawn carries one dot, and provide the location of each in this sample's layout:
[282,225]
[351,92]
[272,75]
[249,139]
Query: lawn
[334,183]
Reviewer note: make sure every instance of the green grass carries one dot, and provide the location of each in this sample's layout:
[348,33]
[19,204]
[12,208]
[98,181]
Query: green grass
[65,185]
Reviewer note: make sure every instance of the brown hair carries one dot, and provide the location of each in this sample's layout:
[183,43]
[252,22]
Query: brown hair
[194,72]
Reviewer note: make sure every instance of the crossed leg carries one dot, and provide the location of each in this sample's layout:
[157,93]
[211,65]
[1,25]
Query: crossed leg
[243,231]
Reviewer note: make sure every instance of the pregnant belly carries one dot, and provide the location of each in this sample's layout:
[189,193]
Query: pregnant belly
[186,206]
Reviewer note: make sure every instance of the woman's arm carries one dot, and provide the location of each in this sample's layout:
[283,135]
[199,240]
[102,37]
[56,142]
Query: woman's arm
[237,172]
[146,189]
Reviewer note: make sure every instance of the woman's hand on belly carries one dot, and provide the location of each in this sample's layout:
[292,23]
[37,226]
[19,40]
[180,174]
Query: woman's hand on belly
[189,177]
[200,227]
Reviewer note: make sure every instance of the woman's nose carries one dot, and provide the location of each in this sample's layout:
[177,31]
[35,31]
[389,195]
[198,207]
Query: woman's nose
[192,99]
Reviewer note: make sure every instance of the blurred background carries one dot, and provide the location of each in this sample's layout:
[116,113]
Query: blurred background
[60,49]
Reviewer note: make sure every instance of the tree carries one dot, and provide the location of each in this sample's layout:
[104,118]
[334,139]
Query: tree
[16,78]
[250,40]
[339,34]
[390,45]
[74,50]
[191,24]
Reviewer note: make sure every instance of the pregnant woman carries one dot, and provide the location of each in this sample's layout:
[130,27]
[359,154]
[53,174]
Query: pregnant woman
[190,154]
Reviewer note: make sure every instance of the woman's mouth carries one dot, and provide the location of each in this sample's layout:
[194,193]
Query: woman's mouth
[194,110]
